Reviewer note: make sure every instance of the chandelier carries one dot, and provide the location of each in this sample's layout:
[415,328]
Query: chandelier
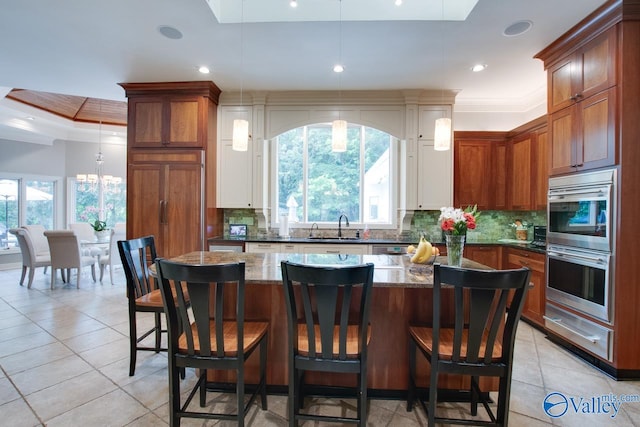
[98,177]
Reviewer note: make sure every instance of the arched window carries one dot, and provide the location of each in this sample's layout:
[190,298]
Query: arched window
[315,184]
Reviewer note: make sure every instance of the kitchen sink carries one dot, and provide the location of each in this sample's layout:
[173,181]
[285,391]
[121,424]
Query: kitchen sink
[333,239]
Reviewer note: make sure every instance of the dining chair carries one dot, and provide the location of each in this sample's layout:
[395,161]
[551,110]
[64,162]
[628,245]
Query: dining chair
[39,240]
[211,333]
[480,342]
[64,247]
[111,258]
[30,258]
[323,335]
[83,230]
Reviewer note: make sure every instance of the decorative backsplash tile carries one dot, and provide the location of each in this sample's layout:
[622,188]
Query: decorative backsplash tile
[491,225]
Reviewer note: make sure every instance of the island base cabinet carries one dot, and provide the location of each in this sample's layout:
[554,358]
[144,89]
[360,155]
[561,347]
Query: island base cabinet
[392,310]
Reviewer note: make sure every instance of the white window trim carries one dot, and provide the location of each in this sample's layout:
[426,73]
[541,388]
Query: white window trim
[394,177]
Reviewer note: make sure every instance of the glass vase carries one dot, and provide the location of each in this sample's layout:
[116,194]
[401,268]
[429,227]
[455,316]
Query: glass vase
[455,248]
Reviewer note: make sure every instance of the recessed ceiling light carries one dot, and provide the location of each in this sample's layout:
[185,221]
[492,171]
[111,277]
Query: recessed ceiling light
[170,32]
[517,28]
[203,69]
[478,67]
[293,3]
[398,2]
[338,68]
[29,118]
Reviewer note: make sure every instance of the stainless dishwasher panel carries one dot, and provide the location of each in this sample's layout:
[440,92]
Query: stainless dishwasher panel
[579,331]
[389,249]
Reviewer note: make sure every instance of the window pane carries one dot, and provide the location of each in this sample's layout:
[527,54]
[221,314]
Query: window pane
[86,202]
[377,177]
[334,178]
[317,185]
[40,207]
[290,173]
[115,204]
[9,211]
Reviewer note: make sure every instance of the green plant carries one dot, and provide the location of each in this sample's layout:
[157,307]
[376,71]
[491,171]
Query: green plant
[99,225]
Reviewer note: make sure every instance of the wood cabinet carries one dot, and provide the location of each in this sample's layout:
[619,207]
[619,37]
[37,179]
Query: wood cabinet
[167,121]
[535,300]
[582,106]
[541,169]
[583,73]
[489,255]
[165,199]
[583,136]
[171,164]
[479,176]
[527,166]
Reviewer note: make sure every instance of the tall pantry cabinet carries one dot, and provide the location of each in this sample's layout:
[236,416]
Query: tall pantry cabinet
[171,161]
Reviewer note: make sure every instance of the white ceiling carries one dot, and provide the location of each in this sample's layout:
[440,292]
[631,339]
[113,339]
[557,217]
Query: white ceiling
[84,48]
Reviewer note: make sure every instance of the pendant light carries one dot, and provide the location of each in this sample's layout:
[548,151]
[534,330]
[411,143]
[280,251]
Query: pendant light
[442,134]
[339,127]
[240,141]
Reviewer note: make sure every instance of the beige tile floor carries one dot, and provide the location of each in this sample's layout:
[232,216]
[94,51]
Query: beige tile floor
[64,362]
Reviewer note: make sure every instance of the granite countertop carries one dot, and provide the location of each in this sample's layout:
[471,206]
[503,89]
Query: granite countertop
[264,268]
[484,242]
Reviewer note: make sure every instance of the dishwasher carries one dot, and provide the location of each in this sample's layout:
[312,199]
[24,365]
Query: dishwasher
[389,249]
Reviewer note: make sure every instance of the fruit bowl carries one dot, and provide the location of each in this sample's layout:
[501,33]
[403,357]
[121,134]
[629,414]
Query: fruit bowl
[422,270]
[429,261]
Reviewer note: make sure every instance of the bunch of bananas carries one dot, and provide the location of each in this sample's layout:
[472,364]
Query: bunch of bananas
[423,252]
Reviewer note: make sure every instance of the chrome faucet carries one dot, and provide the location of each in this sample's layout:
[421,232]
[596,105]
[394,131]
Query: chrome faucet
[340,224]
[315,224]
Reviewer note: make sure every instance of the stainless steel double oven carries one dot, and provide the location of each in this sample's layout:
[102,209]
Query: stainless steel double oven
[580,255]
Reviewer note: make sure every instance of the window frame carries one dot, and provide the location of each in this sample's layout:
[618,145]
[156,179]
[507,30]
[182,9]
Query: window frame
[394,165]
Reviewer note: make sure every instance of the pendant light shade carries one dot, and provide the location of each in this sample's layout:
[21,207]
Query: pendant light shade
[442,137]
[240,135]
[339,136]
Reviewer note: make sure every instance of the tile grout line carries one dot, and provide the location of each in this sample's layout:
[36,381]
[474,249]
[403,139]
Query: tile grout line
[22,396]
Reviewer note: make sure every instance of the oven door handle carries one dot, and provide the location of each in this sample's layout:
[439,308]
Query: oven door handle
[584,257]
[558,321]
[561,194]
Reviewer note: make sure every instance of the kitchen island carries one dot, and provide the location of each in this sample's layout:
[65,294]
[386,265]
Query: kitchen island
[401,295]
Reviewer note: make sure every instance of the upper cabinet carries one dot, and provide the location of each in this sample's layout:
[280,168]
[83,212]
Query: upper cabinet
[587,71]
[582,105]
[170,121]
[434,171]
[235,168]
[479,170]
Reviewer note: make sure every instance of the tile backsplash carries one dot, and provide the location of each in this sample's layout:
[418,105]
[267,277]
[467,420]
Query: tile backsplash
[491,225]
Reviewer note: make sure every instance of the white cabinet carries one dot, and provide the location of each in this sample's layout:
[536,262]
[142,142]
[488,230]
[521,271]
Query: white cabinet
[262,248]
[235,168]
[435,177]
[290,248]
[320,248]
[429,172]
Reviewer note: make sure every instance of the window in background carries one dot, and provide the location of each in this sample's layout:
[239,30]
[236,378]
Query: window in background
[25,201]
[315,184]
[90,202]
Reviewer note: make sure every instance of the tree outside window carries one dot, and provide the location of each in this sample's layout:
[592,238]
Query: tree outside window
[325,184]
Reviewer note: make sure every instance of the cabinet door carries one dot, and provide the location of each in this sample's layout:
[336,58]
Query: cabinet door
[435,177]
[166,122]
[490,256]
[183,212]
[235,168]
[145,191]
[471,182]
[562,135]
[535,300]
[145,122]
[520,181]
[500,176]
[185,127]
[562,85]
[596,145]
[598,65]
[541,170]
